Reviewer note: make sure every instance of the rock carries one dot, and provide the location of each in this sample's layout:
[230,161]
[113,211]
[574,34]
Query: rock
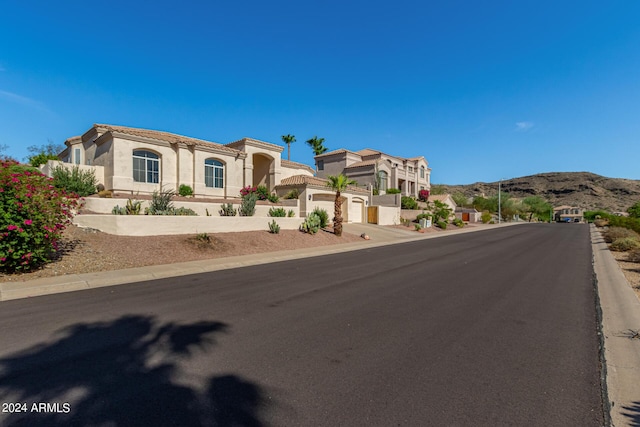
[365,236]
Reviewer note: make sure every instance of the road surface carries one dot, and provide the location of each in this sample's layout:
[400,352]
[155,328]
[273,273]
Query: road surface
[489,328]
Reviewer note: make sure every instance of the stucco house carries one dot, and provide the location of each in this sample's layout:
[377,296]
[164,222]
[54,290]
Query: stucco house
[142,161]
[313,192]
[377,170]
[568,214]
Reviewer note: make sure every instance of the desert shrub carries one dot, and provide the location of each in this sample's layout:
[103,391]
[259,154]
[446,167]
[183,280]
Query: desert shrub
[274,228]
[407,202]
[105,194]
[323,215]
[485,217]
[417,227]
[181,211]
[293,194]
[273,198]
[185,190]
[311,224]
[423,215]
[442,224]
[423,195]
[634,255]
[160,202]
[227,209]
[405,222]
[392,191]
[33,215]
[626,222]
[624,244]
[74,180]
[132,208]
[601,222]
[458,222]
[248,205]
[291,213]
[614,233]
[277,212]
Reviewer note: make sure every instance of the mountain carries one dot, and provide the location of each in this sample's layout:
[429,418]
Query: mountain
[581,189]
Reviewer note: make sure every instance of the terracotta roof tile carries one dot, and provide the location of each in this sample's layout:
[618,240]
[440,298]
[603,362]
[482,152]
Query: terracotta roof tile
[171,138]
[361,164]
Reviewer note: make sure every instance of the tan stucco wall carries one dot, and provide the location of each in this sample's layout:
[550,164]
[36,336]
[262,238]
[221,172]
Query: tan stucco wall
[143,225]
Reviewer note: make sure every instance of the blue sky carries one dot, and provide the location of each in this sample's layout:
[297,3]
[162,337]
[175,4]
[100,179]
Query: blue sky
[484,90]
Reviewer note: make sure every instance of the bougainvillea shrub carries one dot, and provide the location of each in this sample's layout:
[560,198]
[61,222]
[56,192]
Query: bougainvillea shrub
[33,215]
[423,195]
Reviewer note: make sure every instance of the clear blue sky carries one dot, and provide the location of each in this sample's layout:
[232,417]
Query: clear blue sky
[484,90]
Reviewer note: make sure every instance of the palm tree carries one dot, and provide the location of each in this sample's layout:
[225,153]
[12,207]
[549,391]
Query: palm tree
[338,183]
[288,139]
[316,145]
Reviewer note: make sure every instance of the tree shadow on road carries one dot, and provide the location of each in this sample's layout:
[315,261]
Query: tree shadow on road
[123,373]
[632,413]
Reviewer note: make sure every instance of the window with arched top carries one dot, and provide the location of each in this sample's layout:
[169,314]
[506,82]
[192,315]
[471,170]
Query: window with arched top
[146,167]
[383,177]
[213,173]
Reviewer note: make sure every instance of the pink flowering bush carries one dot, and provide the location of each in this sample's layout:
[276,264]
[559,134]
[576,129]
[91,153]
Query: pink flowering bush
[33,214]
[423,195]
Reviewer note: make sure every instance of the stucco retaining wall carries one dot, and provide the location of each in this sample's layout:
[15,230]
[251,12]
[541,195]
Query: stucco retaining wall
[388,215]
[151,225]
[105,206]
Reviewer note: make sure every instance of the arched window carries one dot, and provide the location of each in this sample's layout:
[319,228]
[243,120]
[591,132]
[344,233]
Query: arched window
[421,171]
[382,177]
[146,167]
[213,173]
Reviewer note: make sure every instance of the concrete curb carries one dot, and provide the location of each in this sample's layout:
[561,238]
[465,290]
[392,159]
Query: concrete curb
[620,320]
[76,282]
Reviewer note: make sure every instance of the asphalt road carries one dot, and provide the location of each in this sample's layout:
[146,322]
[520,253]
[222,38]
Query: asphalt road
[489,328]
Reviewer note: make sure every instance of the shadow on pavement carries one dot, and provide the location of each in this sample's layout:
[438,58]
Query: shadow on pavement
[122,373]
[632,413]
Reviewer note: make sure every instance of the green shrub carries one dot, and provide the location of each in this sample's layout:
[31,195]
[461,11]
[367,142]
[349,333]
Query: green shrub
[407,202]
[33,215]
[74,180]
[273,198]
[442,225]
[182,211]
[322,214]
[423,215]
[291,213]
[392,191]
[311,224]
[458,222]
[625,244]
[274,228]
[117,210]
[185,190]
[615,233]
[293,194]
[248,205]
[277,212]
[417,227]
[485,217]
[227,209]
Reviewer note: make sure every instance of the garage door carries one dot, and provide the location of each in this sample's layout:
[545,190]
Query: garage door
[357,211]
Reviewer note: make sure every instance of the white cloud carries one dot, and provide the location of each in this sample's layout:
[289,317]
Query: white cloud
[23,100]
[523,126]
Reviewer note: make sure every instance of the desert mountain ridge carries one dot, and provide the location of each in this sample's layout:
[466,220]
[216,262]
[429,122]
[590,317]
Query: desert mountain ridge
[582,189]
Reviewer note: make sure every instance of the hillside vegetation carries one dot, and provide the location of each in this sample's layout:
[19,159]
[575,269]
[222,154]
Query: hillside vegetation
[581,189]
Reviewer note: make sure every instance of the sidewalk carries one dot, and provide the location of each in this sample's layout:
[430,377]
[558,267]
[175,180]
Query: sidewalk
[620,325]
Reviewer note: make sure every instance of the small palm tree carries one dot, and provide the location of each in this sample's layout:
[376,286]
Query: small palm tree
[338,183]
[317,145]
[288,139]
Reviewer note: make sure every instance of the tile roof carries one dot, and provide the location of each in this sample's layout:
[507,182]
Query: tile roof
[368,152]
[361,164]
[328,153]
[314,181]
[171,138]
[295,165]
[256,142]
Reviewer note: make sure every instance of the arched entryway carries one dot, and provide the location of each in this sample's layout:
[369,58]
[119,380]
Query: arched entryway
[263,171]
